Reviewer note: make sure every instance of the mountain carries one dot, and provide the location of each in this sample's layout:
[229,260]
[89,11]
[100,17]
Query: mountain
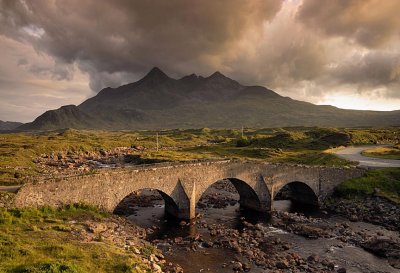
[160,102]
[9,125]
[68,116]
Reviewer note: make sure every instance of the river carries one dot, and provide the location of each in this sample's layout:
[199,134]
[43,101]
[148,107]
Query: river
[197,256]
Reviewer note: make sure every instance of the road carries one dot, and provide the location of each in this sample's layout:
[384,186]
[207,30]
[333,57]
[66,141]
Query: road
[10,188]
[354,154]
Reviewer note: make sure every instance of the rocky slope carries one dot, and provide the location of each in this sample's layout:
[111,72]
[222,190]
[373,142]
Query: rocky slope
[160,102]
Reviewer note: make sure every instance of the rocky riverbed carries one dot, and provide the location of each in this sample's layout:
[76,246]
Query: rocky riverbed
[69,162]
[372,209]
[226,239]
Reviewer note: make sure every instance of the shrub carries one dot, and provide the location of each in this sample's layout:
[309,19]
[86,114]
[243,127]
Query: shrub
[243,142]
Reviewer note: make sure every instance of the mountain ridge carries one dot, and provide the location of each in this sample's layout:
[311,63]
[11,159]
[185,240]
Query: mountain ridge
[158,101]
[9,125]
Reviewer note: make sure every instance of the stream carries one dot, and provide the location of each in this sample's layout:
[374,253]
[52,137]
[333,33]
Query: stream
[168,235]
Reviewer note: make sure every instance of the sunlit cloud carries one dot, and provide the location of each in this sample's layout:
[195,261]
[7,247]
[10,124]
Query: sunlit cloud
[360,102]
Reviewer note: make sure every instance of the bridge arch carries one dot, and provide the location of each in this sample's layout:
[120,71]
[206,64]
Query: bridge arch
[297,191]
[250,197]
[171,206]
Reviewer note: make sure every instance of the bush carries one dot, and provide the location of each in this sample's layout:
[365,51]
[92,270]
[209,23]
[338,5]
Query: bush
[243,142]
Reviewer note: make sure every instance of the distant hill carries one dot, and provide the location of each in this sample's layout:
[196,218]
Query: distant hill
[160,102]
[9,125]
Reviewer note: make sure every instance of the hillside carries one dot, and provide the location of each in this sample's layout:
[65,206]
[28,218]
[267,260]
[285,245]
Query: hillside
[160,102]
[9,125]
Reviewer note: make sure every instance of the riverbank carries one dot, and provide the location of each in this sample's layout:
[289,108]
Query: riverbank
[75,239]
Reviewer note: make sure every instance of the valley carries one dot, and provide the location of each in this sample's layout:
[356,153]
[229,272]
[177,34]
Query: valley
[359,219]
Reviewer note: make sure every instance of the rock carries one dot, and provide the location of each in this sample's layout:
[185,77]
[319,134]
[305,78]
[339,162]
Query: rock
[155,267]
[282,264]
[135,250]
[96,227]
[237,266]
[341,270]
[353,218]
[383,247]
[246,266]
[313,258]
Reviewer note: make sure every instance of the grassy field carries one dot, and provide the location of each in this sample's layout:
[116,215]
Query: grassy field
[293,145]
[41,241]
[44,240]
[383,182]
[392,152]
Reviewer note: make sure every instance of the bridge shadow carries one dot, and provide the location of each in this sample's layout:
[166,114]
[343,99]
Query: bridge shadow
[297,197]
[228,192]
[223,202]
[155,210]
[145,198]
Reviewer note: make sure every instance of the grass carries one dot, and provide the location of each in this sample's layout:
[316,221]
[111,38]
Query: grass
[384,152]
[41,241]
[18,151]
[383,182]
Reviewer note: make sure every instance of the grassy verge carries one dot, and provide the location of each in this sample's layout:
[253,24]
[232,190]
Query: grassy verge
[384,152]
[19,151]
[383,182]
[42,241]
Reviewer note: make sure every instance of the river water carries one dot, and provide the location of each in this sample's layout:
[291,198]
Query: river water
[349,256]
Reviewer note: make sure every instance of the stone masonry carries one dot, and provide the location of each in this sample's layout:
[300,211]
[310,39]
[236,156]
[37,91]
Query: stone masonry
[182,184]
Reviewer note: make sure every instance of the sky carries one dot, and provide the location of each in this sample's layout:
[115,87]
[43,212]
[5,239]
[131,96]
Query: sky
[344,53]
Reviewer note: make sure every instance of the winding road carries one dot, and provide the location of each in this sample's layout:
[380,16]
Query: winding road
[10,188]
[354,154]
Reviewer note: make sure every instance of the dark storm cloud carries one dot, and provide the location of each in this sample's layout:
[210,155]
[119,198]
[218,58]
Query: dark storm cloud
[371,23]
[128,37]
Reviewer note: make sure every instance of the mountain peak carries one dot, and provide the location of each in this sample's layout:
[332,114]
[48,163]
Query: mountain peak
[155,75]
[156,72]
[217,78]
[217,74]
[189,77]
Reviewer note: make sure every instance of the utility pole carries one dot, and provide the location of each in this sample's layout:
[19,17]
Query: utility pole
[157,141]
[242,132]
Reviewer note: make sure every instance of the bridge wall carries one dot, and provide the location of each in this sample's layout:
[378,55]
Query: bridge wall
[182,185]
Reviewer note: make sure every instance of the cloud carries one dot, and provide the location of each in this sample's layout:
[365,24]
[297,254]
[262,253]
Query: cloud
[371,69]
[129,37]
[371,23]
[306,49]
[26,93]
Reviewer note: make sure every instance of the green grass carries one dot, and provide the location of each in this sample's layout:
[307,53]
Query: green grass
[40,241]
[384,152]
[18,151]
[384,182]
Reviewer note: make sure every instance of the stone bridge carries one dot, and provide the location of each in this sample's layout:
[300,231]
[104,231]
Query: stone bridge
[182,184]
